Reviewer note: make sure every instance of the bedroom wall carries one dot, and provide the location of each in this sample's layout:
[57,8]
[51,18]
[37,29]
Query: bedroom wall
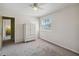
[65,28]
[19,26]
[20,19]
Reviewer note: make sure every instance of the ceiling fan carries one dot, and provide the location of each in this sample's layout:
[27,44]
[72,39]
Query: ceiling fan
[35,6]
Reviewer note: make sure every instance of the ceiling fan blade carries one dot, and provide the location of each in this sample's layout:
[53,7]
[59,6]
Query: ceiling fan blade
[40,8]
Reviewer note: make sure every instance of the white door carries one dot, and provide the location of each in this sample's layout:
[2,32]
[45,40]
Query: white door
[33,31]
[29,32]
[26,32]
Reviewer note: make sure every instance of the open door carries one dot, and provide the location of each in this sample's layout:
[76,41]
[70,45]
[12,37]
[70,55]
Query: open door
[12,27]
[8,30]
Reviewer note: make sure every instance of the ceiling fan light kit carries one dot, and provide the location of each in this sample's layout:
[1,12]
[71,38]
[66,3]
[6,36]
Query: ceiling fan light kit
[35,6]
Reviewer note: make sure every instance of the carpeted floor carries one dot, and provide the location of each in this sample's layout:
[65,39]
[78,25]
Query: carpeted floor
[34,48]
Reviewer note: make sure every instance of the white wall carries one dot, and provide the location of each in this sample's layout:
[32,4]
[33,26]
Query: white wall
[20,19]
[65,28]
[19,26]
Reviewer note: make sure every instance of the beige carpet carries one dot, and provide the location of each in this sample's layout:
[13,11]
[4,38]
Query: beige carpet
[35,48]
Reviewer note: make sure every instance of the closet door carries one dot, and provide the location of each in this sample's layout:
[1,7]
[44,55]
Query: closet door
[27,32]
[33,31]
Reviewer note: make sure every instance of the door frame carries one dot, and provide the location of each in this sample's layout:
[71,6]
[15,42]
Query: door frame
[12,27]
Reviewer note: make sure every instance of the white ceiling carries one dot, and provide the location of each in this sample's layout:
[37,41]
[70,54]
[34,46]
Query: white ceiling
[25,9]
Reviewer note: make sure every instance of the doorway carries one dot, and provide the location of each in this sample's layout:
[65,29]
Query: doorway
[8,26]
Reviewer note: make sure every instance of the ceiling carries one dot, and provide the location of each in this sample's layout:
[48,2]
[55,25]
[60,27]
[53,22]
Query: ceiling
[25,9]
